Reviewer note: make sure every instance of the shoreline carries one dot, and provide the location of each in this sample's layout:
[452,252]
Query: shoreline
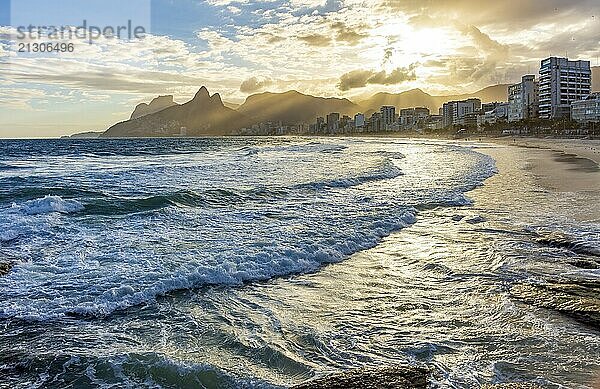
[589,149]
[562,166]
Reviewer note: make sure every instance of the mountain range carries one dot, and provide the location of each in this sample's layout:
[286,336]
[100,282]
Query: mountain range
[157,104]
[209,115]
[293,107]
[203,115]
[418,98]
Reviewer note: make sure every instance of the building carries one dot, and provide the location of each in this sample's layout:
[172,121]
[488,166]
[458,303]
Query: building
[376,123]
[492,113]
[586,110]
[359,121]
[388,115]
[523,102]
[346,123]
[333,122]
[561,83]
[434,122]
[453,112]
[413,118]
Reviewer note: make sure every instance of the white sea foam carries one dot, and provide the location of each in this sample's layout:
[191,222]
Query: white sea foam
[49,204]
[96,265]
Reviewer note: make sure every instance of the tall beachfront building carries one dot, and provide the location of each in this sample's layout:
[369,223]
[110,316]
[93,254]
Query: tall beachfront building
[453,112]
[523,100]
[562,82]
[388,115]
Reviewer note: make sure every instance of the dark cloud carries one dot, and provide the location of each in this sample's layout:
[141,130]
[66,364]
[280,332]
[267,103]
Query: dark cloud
[350,35]
[316,40]
[361,78]
[254,84]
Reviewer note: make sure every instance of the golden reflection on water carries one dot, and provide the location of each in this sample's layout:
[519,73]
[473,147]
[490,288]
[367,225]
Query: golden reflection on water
[441,291]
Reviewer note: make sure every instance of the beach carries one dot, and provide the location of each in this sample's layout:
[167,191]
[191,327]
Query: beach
[563,165]
[355,259]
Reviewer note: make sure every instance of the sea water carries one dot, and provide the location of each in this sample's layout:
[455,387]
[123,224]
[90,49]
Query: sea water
[250,262]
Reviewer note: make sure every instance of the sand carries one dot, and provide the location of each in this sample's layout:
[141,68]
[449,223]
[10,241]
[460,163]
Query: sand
[562,165]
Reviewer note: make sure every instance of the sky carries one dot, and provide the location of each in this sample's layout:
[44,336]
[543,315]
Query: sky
[332,48]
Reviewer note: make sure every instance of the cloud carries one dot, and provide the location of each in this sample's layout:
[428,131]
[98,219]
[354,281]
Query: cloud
[316,40]
[507,14]
[254,84]
[361,78]
[350,35]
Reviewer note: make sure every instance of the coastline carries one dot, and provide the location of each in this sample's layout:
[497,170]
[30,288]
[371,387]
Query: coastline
[584,148]
[561,165]
[562,304]
[467,291]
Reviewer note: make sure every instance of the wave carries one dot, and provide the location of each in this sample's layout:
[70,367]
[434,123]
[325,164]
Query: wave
[181,198]
[142,369]
[388,154]
[311,147]
[34,190]
[262,266]
[49,204]
[268,262]
[385,170]
[564,242]
[5,166]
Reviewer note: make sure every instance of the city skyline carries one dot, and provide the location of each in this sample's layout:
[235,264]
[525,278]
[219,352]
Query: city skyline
[322,48]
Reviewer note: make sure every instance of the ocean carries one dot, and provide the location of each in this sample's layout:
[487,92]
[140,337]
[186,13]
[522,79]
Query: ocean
[265,262]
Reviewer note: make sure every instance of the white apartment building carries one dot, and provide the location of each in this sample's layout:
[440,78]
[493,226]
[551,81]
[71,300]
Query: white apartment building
[561,83]
[523,102]
[586,110]
[453,112]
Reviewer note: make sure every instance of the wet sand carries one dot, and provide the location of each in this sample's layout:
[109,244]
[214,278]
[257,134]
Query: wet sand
[583,148]
[563,165]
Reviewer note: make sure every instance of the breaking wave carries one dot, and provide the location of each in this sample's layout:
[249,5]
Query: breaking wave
[49,204]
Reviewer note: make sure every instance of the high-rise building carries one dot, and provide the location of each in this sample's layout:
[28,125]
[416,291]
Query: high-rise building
[388,115]
[333,121]
[561,83]
[412,118]
[453,112]
[376,122]
[359,120]
[586,110]
[523,102]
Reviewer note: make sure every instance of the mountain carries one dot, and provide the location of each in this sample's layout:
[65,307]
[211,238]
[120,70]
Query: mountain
[293,107]
[231,105]
[596,79]
[203,115]
[418,98]
[157,104]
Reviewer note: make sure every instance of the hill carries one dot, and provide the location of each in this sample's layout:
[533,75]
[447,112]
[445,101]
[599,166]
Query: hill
[203,115]
[418,98]
[157,104]
[293,107]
